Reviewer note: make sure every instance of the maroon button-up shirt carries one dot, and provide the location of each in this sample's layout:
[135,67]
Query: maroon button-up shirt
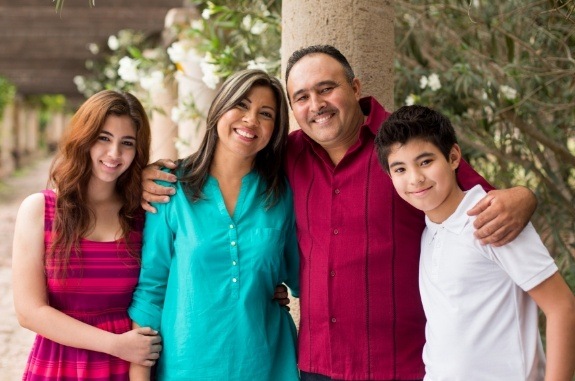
[361,313]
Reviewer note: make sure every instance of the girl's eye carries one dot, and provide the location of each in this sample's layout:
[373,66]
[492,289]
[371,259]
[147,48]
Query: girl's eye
[399,170]
[103,138]
[426,162]
[268,115]
[128,143]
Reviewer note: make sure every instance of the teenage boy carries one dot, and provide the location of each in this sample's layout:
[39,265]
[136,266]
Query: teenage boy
[480,301]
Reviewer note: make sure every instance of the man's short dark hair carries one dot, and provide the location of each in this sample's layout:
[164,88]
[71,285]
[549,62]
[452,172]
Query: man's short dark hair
[321,49]
[414,122]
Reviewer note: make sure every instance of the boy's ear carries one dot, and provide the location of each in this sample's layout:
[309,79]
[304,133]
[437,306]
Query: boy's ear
[455,156]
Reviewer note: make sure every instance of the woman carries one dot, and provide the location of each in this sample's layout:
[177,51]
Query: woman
[76,248]
[213,255]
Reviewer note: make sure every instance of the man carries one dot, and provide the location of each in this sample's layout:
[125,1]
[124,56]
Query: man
[361,315]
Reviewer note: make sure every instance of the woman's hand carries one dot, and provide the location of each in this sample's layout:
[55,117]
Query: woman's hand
[141,346]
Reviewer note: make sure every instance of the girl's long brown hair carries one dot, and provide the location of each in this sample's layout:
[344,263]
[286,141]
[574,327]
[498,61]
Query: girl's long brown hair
[72,168]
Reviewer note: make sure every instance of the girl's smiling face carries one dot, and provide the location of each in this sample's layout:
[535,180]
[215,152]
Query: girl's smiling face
[114,150]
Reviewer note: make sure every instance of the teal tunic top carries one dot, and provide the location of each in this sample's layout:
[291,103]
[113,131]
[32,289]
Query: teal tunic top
[207,284]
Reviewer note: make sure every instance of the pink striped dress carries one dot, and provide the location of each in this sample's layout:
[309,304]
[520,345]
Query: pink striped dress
[97,290]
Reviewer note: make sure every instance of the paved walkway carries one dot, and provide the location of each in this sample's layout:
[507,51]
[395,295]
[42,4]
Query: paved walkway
[15,341]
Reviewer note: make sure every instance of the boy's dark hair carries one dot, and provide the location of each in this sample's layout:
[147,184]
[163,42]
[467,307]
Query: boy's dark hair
[320,49]
[411,122]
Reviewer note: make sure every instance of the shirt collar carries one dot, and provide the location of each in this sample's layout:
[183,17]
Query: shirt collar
[459,219]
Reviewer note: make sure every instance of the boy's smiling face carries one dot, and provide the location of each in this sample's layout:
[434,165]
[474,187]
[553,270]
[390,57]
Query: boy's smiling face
[424,178]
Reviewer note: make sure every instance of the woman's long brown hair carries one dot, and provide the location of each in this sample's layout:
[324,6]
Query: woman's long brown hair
[72,168]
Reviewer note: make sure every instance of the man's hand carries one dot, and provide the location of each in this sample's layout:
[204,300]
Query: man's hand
[281,296]
[152,191]
[502,215]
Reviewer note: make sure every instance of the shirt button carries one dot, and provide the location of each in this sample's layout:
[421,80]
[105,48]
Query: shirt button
[335,231]
[234,280]
[336,191]
[233,243]
[231,226]
[332,273]
[234,263]
[333,320]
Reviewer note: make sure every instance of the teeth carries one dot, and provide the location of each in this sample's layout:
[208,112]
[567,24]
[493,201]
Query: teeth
[110,165]
[321,120]
[245,134]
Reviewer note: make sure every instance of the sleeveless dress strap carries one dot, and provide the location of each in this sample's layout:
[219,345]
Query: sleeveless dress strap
[49,208]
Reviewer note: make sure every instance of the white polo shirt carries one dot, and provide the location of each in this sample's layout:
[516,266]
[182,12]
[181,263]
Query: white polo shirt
[481,324]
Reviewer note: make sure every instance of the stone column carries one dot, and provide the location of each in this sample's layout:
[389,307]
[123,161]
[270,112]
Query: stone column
[32,131]
[361,29]
[55,130]
[164,130]
[7,141]
[19,151]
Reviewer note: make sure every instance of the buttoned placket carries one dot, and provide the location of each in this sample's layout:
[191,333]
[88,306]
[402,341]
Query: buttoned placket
[437,242]
[234,261]
[334,232]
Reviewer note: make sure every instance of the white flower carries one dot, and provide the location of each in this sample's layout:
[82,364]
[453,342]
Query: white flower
[93,48]
[423,82]
[197,25]
[410,100]
[110,73]
[508,92]
[176,114]
[247,22]
[483,95]
[434,83]
[153,81]
[80,83]
[210,78]
[259,63]
[411,21]
[177,52]
[258,27]
[206,13]
[113,42]
[128,70]
[182,51]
